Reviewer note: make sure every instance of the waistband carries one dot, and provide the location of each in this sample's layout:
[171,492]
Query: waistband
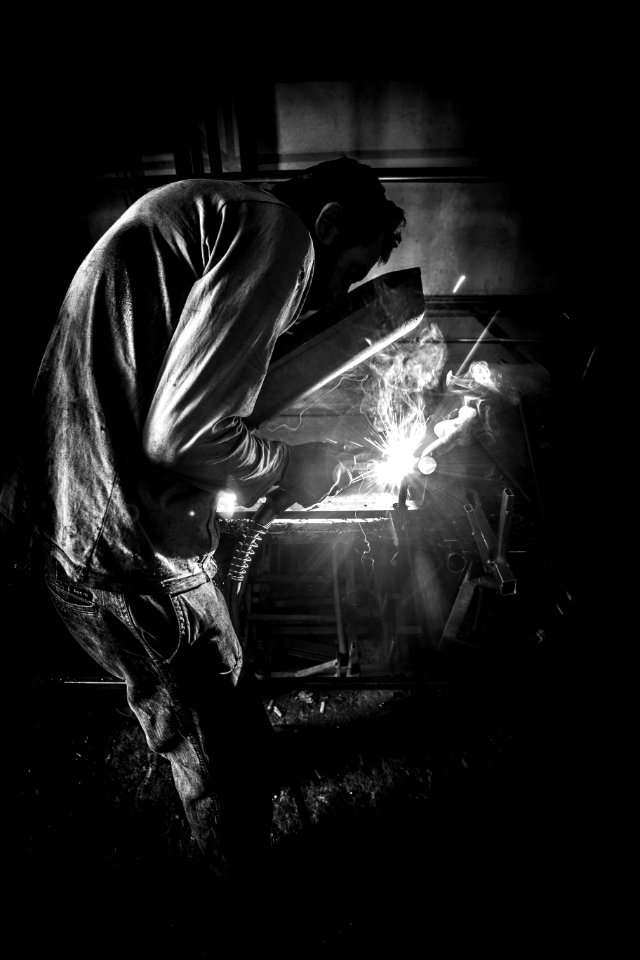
[208,573]
[170,586]
[173,585]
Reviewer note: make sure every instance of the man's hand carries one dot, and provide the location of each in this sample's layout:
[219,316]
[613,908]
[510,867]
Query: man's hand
[312,473]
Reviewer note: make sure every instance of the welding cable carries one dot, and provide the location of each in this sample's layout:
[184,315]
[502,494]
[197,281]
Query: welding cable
[249,541]
[275,504]
[240,561]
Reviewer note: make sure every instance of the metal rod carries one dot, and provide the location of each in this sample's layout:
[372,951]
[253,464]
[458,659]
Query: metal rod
[482,533]
[589,361]
[247,134]
[342,642]
[532,460]
[458,611]
[505,522]
[213,143]
[385,175]
[353,665]
[476,345]
[291,618]
[486,544]
[403,492]
[289,681]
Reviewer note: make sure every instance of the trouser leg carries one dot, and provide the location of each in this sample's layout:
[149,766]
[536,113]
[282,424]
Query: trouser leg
[181,662]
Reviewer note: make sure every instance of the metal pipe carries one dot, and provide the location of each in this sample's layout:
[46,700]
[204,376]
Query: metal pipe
[353,664]
[532,458]
[504,523]
[487,546]
[388,175]
[342,642]
[403,492]
[484,333]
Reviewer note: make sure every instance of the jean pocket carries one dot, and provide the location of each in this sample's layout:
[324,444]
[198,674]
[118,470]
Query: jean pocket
[157,624]
[72,596]
[211,639]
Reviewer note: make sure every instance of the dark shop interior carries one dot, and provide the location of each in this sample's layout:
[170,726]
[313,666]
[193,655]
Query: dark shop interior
[426,639]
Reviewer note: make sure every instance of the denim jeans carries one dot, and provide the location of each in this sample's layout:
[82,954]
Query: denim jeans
[181,661]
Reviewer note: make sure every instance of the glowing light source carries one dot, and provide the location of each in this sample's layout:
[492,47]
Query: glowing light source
[395,400]
[427,465]
[461,280]
[226,504]
[399,460]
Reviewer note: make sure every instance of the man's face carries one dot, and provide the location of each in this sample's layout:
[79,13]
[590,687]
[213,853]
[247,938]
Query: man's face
[337,268]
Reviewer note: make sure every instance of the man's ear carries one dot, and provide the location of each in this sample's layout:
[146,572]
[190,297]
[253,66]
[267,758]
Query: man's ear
[328,224]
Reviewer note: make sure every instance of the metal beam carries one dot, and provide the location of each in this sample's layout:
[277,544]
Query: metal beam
[252,174]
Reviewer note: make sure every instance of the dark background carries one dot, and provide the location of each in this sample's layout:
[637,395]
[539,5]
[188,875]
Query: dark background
[516,852]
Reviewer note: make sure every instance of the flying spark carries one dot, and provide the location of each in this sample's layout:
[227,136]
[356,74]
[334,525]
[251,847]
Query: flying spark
[395,406]
[406,427]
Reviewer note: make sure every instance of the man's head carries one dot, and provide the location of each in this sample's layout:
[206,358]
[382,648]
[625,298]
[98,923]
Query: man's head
[353,224]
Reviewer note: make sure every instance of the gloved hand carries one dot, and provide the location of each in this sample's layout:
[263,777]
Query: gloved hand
[312,473]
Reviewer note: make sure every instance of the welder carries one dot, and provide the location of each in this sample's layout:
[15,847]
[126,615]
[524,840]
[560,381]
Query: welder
[137,424]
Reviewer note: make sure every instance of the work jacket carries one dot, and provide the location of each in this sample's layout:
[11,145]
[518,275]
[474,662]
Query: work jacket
[159,352]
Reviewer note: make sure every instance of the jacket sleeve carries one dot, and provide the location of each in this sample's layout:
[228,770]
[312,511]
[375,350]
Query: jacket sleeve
[259,267]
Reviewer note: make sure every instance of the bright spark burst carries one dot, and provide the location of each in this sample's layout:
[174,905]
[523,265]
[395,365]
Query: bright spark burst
[395,400]
[397,463]
[398,441]
[396,405]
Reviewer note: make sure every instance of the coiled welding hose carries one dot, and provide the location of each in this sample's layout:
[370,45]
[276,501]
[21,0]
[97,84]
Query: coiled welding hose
[275,504]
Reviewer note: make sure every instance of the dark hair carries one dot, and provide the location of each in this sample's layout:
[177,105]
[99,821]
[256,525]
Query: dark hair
[355,186]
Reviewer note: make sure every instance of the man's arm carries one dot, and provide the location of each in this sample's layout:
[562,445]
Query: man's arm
[252,290]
